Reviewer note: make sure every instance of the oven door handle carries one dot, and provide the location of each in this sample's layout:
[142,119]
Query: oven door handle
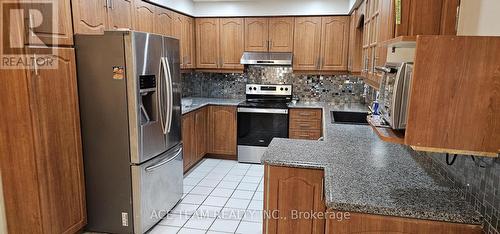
[262,110]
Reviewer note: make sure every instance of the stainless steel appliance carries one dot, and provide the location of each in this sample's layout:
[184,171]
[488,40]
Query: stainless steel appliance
[263,116]
[130,104]
[267,58]
[394,93]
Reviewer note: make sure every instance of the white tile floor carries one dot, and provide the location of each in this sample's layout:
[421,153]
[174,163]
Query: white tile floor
[220,196]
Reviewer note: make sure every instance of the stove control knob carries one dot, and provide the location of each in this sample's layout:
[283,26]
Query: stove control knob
[254,88]
[286,89]
[281,88]
[250,88]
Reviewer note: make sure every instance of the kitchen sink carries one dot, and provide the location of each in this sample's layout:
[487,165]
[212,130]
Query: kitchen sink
[349,117]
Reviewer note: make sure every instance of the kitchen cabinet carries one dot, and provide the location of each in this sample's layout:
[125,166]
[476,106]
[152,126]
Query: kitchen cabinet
[231,41]
[219,43]
[305,124]
[355,43]
[419,17]
[281,186]
[273,34]
[144,16]
[222,131]
[95,16]
[194,136]
[164,21]
[41,159]
[188,52]
[368,223]
[334,43]
[321,43]
[52,33]
[307,43]
[207,43]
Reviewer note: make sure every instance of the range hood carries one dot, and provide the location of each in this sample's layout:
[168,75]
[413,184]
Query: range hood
[267,58]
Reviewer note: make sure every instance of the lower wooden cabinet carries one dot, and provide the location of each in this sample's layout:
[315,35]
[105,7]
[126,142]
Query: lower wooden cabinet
[377,224]
[194,136]
[287,190]
[40,155]
[222,131]
[305,124]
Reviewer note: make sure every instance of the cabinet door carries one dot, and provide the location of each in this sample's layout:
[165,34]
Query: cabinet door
[188,43]
[307,40]
[58,144]
[120,14]
[207,43]
[281,34]
[164,21]
[231,43]
[59,32]
[144,18]
[256,34]
[188,139]
[334,43]
[200,119]
[281,194]
[222,130]
[89,16]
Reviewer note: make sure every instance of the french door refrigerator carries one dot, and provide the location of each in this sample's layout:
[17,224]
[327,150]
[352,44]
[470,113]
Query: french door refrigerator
[129,90]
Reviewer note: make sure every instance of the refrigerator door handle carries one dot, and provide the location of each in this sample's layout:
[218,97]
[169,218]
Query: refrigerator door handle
[159,96]
[170,96]
[163,162]
[165,75]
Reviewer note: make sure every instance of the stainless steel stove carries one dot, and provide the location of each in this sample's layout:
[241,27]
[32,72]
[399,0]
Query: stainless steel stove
[262,117]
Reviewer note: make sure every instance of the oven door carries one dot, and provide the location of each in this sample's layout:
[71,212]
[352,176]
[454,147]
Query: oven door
[256,128]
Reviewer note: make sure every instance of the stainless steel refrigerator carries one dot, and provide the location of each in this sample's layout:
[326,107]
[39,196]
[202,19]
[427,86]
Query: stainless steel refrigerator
[130,104]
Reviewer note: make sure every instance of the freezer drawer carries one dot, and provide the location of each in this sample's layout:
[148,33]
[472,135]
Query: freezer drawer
[156,188]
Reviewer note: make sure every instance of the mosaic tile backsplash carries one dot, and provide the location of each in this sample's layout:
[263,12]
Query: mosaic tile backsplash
[327,88]
[479,181]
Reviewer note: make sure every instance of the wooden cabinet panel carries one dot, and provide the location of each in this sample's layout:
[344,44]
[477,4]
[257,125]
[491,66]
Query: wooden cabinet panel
[305,124]
[334,43]
[89,16]
[201,120]
[367,223]
[164,21]
[52,33]
[281,34]
[355,43]
[231,43]
[305,134]
[281,185]
[420,17]
[120,14]
[188,139]
[222,130]
[449,17]
[307,40]
[207,43]
[188,43]
[144,16]
[58,145]
[256,34]
[306,114]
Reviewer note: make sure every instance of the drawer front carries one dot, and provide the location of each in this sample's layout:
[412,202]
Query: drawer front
[305,124]
[306,135]
[305,114]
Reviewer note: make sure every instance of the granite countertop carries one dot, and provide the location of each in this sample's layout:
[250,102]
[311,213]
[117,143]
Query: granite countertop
[367,175]
[198,103]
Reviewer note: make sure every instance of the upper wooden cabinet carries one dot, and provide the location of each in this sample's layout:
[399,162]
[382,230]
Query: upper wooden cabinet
[231,43]
[207,43]
[321,43]
[222,129]
[188,52]
[95,16]
[144,16]
[355,44]
[281,194]
[419,17]
[281,34]
[307,43]
[219,43]
[52,33]
[269,34]
[164,21]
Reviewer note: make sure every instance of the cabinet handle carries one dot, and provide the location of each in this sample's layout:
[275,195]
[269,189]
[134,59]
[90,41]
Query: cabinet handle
[270,44]
[110,4]
[105,3]
[304,125]
[322,189]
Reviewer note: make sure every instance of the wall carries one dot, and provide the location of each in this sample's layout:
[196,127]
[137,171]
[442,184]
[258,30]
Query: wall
[271,7]
[184,6]
[479,18]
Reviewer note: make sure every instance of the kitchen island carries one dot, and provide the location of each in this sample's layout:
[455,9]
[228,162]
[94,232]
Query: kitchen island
[384,187]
